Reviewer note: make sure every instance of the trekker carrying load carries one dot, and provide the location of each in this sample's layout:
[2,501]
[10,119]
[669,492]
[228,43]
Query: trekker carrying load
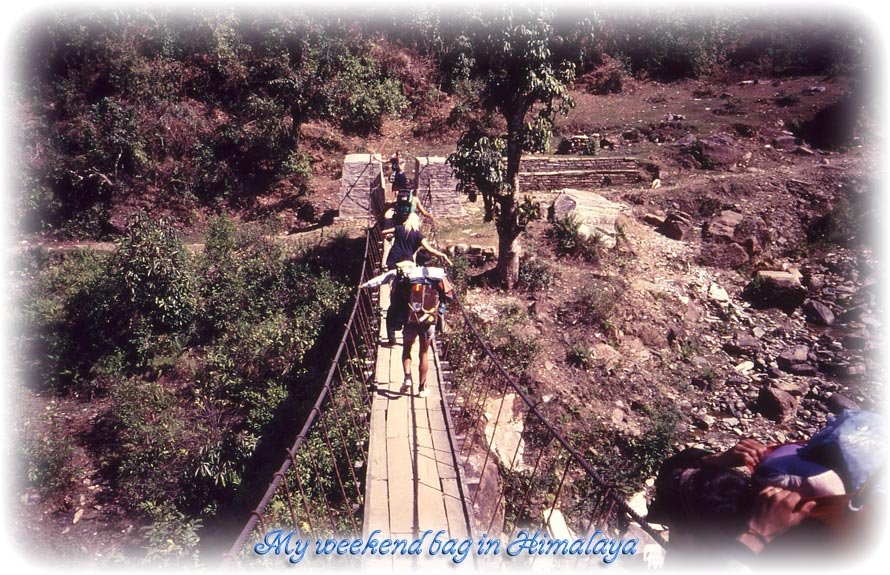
[405,201]
[418,299]
[407,240]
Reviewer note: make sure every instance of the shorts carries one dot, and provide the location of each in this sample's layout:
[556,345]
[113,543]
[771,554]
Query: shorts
[412,330]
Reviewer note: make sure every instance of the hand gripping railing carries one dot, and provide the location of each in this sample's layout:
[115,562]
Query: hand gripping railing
[318,490]
[521,471]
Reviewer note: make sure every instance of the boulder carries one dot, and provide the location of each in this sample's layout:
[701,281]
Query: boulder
[653,220]
[817,312]
[676,225]
[780,289]
[722,226]
[751,245]
[715,151]
[775,404]
[794,361]
[795,354]
[593,211]
[838,403]
[743,344]
[735,256]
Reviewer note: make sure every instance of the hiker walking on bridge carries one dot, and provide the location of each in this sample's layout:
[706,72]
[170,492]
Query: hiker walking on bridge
[424,290]
[404,198]
[407,239]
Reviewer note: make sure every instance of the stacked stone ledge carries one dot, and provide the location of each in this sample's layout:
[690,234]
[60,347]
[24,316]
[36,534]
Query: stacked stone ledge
[361,186]
[437,186]
[540,173]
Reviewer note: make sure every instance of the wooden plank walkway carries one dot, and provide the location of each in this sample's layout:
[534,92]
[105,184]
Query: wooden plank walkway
[412,480]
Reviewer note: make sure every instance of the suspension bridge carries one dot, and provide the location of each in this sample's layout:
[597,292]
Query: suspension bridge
[474,458]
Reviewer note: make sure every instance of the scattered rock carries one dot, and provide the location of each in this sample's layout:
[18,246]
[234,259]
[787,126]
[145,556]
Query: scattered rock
[744,367]
[676,225]
[653,220]
[717,294]
[703,421]
[817,312]
[780,289]
[837,403]
[787,143]
[775,404]
[793,387]
[792,356]
[722,227]
[742,344]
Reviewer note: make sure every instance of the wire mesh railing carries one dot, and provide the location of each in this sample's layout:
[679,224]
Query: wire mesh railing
[522,473]
[319,488]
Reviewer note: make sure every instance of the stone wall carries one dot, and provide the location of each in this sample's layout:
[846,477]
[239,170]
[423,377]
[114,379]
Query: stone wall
[361,186]
[437,187]
[545,173]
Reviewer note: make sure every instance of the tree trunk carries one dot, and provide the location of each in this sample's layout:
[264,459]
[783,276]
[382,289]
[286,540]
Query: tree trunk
[509,249]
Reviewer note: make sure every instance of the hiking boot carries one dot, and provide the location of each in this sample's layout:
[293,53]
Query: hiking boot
[423,392]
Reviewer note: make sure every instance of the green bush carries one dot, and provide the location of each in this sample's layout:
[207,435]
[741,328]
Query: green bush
[640,457]
[512,341]
[536,275]
[48,460]
[73,322]
[594,306]
[581,355]
[156,275]
[171,540]
[668,45]
[573,241]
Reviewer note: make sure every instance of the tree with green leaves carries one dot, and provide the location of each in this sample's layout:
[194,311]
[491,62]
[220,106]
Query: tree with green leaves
[525,72]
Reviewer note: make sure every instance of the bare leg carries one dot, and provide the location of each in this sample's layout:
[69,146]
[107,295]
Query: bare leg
[424,363]
[407,343]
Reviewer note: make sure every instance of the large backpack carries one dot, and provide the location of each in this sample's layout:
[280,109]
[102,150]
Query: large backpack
[423,303]
[404,205]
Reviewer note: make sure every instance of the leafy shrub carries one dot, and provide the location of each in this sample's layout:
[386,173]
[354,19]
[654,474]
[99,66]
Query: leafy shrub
[575,239]
[536,275]
[154,268]
[594,306]
[458,273]
[48,459]
[640,457]
[70,299]
[171,539]
[512,341]
[666,45]
[581,355]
